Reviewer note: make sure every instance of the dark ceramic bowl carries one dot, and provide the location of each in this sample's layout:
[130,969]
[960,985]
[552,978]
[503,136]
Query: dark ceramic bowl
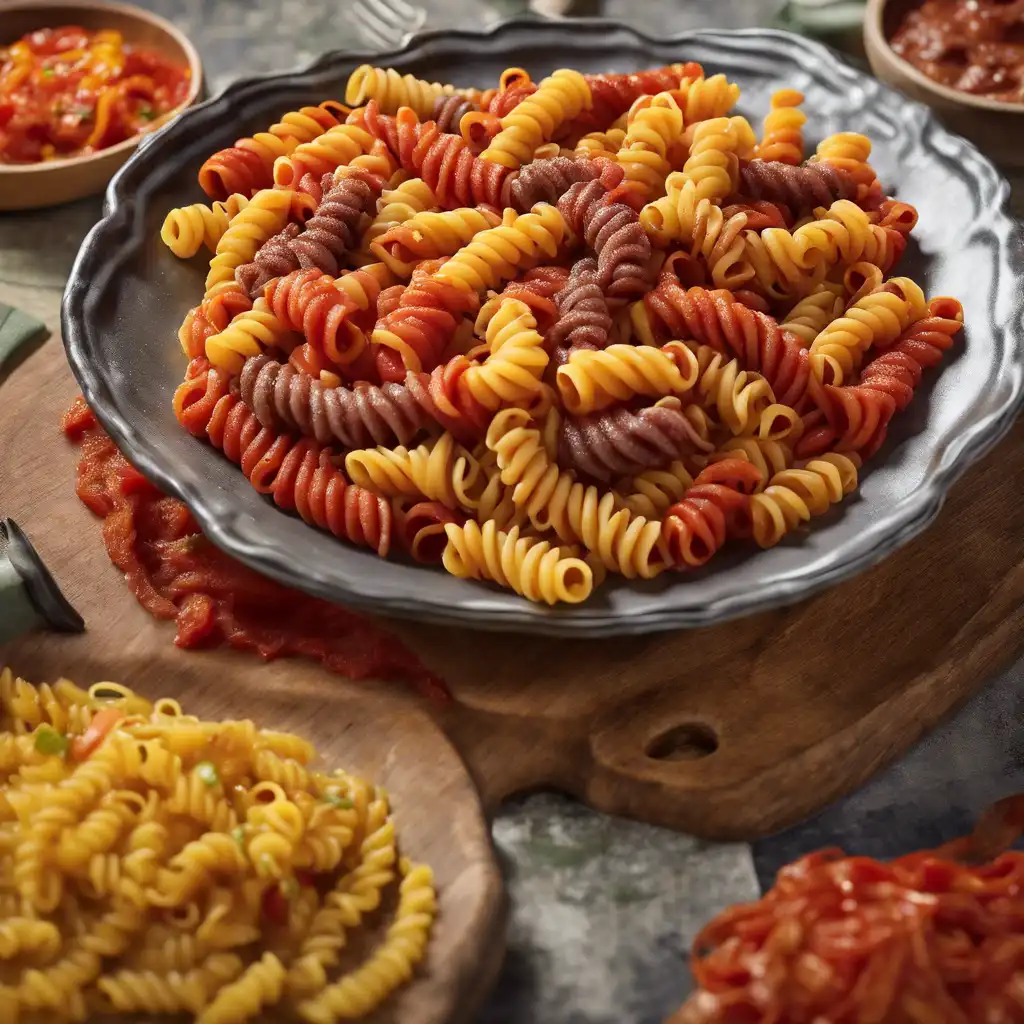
[127,296]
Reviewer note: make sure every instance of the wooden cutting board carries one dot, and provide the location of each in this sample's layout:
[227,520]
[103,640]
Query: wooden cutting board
[370,729]
[730,732]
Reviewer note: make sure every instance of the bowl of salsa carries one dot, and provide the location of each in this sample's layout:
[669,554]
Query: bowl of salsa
[80,85]
[964,58]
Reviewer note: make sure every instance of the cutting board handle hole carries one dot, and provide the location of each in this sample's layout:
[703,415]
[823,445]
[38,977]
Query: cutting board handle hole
[688,741]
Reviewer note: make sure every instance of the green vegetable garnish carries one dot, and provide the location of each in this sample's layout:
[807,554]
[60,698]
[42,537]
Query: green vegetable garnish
[147,113]
[238,834]
[335,799]
[48,72]
[207,771]
[49,741]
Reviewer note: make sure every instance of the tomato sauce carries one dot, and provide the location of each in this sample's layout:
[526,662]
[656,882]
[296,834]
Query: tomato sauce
[177,574]
[976,46]
[68,92]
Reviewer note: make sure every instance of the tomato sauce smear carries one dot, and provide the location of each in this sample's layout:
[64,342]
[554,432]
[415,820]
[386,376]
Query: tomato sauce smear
[177,574]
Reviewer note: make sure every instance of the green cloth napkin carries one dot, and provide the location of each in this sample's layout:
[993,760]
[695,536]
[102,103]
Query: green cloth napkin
[17,328]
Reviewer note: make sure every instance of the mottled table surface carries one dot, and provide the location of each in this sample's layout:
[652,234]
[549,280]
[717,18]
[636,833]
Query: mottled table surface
[603,910]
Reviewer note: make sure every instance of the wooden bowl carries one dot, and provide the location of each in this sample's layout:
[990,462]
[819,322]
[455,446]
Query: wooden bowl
[30,186]
[995,127]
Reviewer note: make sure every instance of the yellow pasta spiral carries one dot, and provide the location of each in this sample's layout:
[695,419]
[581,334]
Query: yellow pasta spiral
[652,131]
[393,962]
[770,457]
[701,99]
[782,139]
[497,254]
[559,98]
[429,235]
[601,143]
[248,334]
[654,491]
[439,470]
[337,146]
[813,313]
[516,361]
[260,986]
[740,397]
[392,90]
[188,228]
[877,319]
[849,152]
[793,496]
[265,215]
[528,565]
[593,380]
[554,500]
[174,992]
[23,936]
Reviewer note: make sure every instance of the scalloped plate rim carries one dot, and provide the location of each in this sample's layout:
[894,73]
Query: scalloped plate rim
[905,521]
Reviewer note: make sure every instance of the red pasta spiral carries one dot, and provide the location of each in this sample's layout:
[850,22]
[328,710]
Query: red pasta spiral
[713,508]
[240,168]
[850,939]
[445,162]
[211,317]
[612,95]
[421,529]
[428,312]
[510,98]
[308,301]
[716,319]
[538,288]
[856,418]
[299,475]
[902,217]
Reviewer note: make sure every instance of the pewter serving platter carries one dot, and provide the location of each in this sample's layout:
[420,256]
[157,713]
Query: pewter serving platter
[128,294]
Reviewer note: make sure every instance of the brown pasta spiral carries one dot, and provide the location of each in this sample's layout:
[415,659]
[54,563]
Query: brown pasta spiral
[583,317]
[334,228]
[801,188]
[449,110]
[614,234]
[362,416]
[546,181]
[274,258]
[619,442]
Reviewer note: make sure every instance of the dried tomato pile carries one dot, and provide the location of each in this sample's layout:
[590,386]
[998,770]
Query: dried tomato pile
[849,940]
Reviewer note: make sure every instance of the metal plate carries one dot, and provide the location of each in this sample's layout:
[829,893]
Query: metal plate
[127,295]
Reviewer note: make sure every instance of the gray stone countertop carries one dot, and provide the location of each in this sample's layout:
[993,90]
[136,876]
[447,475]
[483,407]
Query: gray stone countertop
[603,910]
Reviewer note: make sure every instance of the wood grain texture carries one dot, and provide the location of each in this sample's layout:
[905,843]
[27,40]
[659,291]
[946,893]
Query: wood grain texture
[731,732]
[758,723]
[372,729]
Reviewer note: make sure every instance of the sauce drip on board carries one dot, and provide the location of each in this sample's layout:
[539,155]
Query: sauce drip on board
[976,46]
[177,574]
[69,92]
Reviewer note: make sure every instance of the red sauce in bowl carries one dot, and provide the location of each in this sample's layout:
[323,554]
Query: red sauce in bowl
[976,46]
[69,92]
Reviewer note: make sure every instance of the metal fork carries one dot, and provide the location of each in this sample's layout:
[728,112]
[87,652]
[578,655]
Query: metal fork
[387,24]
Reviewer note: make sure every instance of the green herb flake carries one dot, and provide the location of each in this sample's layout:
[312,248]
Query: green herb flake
[207,771]
[335,799]
[49,741]
[238,834]
[48,72]
[147,113]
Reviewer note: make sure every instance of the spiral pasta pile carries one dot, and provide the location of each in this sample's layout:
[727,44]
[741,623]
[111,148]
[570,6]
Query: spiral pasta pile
[155,863]
[544,331]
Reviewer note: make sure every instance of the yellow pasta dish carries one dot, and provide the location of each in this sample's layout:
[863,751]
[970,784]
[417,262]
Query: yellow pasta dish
[156,863]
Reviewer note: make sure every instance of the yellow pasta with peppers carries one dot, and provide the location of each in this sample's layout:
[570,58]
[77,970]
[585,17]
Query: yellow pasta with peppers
[158,863]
